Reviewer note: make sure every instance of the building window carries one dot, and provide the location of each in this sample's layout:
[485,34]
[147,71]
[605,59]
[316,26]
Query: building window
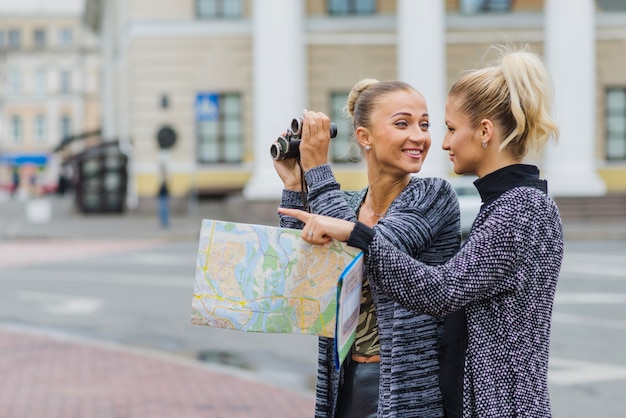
[485,6]
[611,5]
[39,38]
[220,138]
[15,81]
[65,83]
[41,81]
[616,124]
[15,128]
[215,9]
[65,37]
[40,129]
[343,148]
[66,127]
[14,39]
[351,7]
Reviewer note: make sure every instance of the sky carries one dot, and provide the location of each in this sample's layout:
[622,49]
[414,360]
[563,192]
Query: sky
[35,6]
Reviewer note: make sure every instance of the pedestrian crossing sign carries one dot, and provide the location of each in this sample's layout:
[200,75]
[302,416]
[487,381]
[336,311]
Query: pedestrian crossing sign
[207,106]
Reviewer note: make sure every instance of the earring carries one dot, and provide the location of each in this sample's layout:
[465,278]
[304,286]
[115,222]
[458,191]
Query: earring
[367,148]
[484,145]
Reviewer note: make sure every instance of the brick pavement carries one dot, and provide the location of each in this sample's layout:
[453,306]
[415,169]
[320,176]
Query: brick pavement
[48,377]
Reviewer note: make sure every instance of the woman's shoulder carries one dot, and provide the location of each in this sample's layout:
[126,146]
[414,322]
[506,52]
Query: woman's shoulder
[526,197]
[529,208]
[428,195]
[431,183]
[426,188]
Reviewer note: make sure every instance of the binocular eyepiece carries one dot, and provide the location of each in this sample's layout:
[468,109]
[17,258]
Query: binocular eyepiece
[288,146]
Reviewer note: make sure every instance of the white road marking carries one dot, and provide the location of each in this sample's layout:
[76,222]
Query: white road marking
[590,298]
[90,278]
[597,258]
[62,304]
[588,321]
[159,259]
[593,270]
[572,372]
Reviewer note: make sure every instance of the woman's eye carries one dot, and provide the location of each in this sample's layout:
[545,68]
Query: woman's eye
[402,123]
[425,125]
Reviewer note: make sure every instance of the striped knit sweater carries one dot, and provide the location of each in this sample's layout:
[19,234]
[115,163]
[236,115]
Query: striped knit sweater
[505,275]
[422,222]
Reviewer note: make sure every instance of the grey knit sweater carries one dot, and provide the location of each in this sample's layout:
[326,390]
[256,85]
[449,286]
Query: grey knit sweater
[423,223]
[505,275]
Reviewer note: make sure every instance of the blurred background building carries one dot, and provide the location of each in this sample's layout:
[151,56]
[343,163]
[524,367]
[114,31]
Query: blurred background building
[199,89]
[49,89]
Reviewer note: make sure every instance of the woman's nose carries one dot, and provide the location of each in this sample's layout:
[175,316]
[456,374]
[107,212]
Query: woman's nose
[445,144]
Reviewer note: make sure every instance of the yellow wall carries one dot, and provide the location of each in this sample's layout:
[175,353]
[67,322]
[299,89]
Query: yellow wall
[614,178]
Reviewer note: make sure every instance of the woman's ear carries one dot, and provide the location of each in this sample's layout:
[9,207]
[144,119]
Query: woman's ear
[362,136]
[486,131]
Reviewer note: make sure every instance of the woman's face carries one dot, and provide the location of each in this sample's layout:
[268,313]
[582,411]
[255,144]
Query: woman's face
[462,140]
[399,137]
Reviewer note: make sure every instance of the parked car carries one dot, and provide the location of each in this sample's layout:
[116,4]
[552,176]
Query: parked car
[469,201]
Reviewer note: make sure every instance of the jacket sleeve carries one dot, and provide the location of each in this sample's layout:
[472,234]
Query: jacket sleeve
[485,266]
[325,196]
[291,200]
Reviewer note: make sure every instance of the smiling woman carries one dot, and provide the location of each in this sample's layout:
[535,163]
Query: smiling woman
[393,365]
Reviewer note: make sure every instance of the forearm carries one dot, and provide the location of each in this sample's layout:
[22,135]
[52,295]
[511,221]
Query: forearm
[481,269]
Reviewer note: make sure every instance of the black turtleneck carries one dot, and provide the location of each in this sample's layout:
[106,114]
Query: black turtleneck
[494,184]
[454,338]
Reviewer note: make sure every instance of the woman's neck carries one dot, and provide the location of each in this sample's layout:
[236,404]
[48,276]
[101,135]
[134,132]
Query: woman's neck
[496,164]
[381,193]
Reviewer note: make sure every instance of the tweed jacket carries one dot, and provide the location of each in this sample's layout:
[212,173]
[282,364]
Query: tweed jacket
[422,222]
[505,275]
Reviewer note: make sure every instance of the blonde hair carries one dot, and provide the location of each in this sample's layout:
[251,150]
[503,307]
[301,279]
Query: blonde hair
[516,94]
[366,95]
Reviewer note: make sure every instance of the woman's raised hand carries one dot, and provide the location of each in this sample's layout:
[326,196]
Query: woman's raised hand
[315,140]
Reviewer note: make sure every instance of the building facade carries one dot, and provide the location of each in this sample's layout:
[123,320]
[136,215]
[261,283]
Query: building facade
[218,81]
[49,88]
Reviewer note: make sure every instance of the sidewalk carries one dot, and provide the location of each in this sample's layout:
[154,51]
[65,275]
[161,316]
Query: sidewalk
[67,223]
[44,376]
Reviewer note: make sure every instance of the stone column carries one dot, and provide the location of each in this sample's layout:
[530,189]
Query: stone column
[570,56]
[421,49]
[108,85]
[279,85]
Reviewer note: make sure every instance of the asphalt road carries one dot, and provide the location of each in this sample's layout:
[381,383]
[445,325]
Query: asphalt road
[139,297]
[138,293]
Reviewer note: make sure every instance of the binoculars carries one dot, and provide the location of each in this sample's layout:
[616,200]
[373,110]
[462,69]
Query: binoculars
[288,146]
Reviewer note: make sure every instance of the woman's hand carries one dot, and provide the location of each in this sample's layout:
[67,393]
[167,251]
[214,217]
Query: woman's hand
[315,139]
[290,173]
[319,229]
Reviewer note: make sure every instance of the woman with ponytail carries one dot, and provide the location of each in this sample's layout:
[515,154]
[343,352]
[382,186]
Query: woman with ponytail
[497,292]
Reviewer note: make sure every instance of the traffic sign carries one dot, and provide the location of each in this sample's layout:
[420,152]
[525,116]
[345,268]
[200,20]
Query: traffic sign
[207,106]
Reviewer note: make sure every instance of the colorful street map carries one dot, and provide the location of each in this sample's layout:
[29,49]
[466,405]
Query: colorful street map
[260,278]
